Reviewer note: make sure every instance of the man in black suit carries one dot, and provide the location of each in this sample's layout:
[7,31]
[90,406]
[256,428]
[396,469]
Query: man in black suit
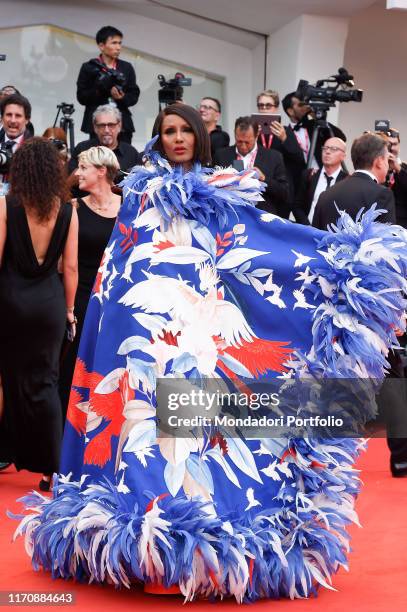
[396,178]
[269,165]
[15,114]
[299,133]
[370,158]
[96,86]
[314,182]
[210,110]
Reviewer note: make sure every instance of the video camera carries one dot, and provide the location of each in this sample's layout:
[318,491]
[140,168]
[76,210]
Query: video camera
[108,77]
[6,154]
[321,97]
[171,91]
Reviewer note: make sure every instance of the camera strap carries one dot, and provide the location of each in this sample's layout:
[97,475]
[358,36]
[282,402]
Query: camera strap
[100,60]
[303,140]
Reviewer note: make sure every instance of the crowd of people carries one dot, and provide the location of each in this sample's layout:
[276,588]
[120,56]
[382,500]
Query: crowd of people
[156,277]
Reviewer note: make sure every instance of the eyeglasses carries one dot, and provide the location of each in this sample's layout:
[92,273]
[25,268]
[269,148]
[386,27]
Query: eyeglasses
[266,106]
[204,107]
[103,126]
[332,149]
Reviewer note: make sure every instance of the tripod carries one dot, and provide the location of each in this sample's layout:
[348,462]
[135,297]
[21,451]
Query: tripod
[67,124]
[320,110]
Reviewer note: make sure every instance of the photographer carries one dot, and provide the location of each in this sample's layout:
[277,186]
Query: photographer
[108,79]
[302,125]
[15,114]
[396,178]
[268,163]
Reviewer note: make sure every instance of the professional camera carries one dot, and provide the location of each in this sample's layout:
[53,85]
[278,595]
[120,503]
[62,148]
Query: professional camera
[108,77]
[172,90]
[66,109]
[321,97]
[58,144]
[6,154]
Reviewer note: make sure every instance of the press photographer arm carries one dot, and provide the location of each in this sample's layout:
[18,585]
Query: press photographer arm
[88,91]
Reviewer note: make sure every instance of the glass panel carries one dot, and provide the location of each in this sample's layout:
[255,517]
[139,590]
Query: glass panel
[43,62]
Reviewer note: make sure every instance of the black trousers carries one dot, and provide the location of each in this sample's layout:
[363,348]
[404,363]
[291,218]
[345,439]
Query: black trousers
[392,402]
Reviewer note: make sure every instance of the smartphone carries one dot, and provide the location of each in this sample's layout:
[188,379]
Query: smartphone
[238,165]
[265,121]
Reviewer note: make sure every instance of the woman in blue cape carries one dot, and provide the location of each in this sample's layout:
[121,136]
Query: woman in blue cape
[196,284]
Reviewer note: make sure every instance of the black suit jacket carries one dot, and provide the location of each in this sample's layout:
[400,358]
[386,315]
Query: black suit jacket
[293,154]
[272,165]
[355,192]
[305,194]
[91,95]
[293,158]
[27,134]
[399,189]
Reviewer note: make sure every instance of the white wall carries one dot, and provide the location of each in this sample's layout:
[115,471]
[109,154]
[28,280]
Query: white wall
[309,47]
[376,54]
[149,36]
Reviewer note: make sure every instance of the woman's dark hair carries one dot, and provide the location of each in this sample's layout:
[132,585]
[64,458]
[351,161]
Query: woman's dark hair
[38,177]
[202,152]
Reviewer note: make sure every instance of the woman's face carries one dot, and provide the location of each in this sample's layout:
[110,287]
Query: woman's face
[88,175]
[178,140]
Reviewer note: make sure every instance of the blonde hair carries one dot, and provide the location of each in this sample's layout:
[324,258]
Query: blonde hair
[270,93]
[101,157]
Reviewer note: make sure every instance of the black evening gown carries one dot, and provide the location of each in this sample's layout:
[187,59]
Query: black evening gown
[33,321]
[94,234]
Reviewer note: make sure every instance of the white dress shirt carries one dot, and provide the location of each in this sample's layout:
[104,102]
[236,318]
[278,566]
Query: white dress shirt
[321,186]
[303,140]
[248,159]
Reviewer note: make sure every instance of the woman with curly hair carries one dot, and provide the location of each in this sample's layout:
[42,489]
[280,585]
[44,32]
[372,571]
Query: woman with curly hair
[37,226]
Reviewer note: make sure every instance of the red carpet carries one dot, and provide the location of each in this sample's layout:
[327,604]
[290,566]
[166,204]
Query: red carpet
[376,582]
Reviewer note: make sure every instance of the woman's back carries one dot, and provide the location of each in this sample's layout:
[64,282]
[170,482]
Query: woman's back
[33,247]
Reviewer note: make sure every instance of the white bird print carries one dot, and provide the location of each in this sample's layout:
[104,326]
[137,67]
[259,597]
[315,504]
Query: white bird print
[284,468]
[305,276]
[250,498]
[269,217]
[301,259]
[121,487]
[269,285]
[271,472]
[275,298]
[110,281]
[301,300]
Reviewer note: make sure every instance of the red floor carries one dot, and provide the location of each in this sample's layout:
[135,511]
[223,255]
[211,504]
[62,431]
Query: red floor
[376,582]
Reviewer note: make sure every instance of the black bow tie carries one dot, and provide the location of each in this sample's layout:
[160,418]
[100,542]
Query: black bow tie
[298,126]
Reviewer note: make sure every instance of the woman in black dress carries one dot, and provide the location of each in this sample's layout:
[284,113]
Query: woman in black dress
[97,214]
[37,226]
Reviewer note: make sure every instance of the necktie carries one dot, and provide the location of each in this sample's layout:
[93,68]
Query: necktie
[329,180]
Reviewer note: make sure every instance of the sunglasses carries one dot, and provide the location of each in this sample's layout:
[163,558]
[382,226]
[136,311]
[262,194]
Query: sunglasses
[266,106]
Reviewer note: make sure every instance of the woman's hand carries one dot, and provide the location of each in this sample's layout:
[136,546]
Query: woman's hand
[72,320]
